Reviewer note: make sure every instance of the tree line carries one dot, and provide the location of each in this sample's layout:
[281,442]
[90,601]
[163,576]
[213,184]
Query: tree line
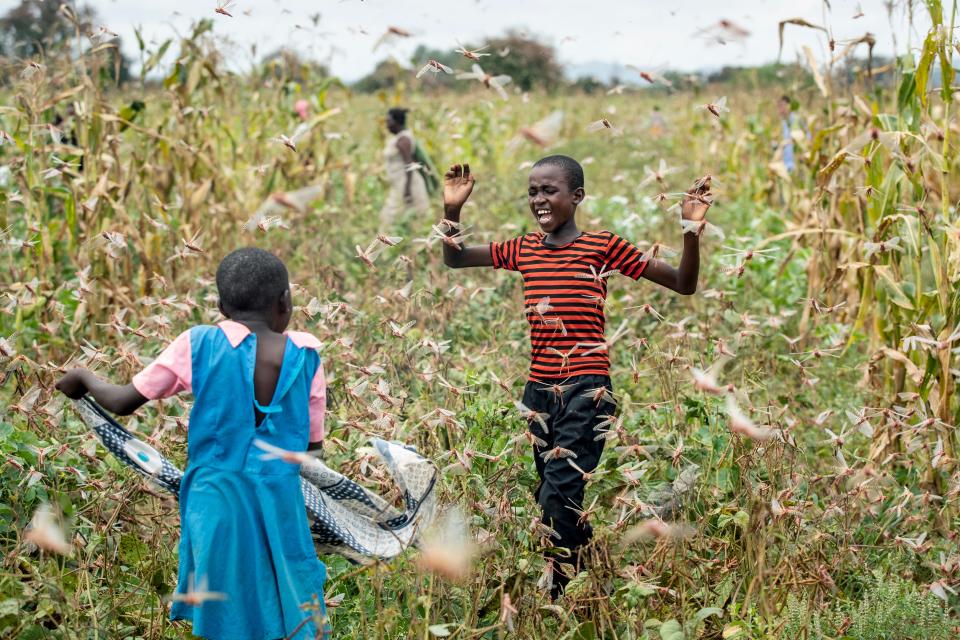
[38,29]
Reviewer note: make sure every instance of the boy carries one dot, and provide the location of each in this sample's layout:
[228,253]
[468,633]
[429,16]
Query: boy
[564,274]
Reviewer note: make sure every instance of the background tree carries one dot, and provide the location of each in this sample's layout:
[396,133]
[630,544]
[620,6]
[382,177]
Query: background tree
[288,65]
[529,62]
[435,81]
[763,76]
[389,72]
[423,53]
[386,75]
[35,28]
[588,84]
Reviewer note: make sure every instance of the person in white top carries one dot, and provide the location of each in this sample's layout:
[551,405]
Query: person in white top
[408,190]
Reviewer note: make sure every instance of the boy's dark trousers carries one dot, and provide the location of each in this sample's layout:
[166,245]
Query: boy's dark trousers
[570,425]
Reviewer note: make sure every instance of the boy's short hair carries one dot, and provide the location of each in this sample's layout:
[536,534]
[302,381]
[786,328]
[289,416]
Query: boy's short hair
[399,115]
[251,279]
[570,167]
[786,98]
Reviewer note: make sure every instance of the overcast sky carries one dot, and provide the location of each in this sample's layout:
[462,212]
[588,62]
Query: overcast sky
[646,33]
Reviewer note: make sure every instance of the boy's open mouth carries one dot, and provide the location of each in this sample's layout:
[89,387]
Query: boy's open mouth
[544,216]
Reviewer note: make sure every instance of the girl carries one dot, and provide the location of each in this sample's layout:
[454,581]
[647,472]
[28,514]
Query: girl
[244,532]
[408,189]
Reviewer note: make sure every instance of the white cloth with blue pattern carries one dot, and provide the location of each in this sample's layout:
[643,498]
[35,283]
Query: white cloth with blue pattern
[346,518]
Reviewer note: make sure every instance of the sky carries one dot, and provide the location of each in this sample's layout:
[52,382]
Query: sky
[647,33]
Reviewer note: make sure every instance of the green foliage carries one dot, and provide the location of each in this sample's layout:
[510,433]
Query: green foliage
[891,608]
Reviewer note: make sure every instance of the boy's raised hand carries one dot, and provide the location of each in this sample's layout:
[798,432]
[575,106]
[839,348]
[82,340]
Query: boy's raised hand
[457,186]
[697,200]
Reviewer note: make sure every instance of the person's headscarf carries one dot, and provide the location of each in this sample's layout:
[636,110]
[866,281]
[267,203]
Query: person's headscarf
[302,107]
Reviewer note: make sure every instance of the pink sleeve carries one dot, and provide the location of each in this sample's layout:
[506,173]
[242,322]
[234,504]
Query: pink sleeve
[318,404]
[170,373]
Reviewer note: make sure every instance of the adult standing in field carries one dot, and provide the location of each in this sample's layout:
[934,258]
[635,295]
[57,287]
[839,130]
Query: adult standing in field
[408,187]
[788,122]
[657,125]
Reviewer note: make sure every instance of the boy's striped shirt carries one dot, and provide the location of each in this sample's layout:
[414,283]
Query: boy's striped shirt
[566,331]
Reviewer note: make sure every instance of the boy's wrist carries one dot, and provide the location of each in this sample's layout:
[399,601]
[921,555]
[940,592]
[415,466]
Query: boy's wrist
[452,211]
[691,240]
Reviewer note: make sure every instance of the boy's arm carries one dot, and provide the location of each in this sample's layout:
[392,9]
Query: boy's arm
[683,279]
[457,186]
[120,400]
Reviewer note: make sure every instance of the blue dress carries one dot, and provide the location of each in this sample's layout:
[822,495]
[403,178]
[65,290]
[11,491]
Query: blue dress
[244,530]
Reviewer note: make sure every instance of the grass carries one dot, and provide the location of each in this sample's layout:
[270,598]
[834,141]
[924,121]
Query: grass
[787,538]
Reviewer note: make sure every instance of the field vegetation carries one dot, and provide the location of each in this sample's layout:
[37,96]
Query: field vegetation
[834,294]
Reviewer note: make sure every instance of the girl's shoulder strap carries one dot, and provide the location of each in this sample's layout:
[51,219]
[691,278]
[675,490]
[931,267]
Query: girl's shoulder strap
[233,332]
[201,331]
[304,340]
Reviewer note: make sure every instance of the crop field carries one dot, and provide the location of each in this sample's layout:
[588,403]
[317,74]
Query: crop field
[792,423]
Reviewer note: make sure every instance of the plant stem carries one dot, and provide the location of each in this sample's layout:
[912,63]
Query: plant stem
[426,613]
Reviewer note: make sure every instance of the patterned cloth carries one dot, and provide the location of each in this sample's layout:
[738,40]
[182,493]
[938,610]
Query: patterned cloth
[346,518]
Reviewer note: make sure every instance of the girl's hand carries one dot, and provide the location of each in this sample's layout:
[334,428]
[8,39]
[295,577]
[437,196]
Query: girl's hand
[457,187]
[73,384]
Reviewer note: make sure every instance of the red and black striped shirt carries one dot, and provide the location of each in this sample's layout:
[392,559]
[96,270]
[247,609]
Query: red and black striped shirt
[564,291]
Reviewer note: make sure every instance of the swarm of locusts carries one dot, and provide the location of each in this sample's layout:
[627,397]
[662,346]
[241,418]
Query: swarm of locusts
[784,442]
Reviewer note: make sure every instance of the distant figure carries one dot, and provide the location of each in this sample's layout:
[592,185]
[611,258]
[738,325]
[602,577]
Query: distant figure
[64,130]
[788,122]
[408,189]
[657,126]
